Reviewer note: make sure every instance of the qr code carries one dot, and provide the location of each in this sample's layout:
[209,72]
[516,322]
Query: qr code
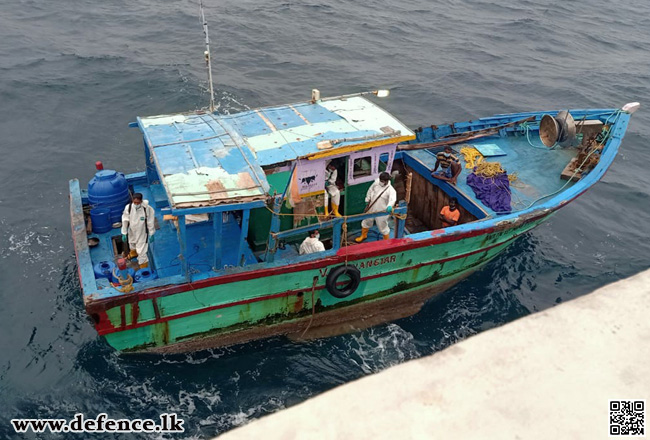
[627,418]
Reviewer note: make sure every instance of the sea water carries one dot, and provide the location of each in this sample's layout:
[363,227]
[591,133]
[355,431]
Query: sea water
[74,74]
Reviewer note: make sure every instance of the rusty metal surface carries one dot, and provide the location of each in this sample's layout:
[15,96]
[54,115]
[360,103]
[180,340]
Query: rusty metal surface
[330,323]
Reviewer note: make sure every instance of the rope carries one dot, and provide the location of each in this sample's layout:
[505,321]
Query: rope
[525,127]
[313,307]
[489,169]
[577,169]
[126,285]
[345,217]
[315,214]
[344,237]
[472,156]
[607,133]
[493,169]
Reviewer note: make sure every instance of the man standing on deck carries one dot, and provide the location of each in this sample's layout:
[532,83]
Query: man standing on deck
[312,243]
[332,190]
[449,166]
[138,228]
[381,197]
[449,215]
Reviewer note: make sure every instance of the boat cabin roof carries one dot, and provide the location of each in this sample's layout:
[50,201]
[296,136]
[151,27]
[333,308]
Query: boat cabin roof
[208,159]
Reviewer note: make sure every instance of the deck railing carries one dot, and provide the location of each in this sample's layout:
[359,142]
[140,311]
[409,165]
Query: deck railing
[336,223]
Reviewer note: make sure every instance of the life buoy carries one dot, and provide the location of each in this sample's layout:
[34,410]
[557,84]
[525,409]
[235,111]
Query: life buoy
[348,288]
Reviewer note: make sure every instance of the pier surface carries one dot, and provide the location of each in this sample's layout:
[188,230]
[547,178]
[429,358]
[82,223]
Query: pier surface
[547,375]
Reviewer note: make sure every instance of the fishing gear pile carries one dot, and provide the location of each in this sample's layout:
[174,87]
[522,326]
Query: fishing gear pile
[491,184]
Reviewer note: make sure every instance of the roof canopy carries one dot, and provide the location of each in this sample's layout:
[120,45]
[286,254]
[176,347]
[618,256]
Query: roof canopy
[288,132]
[207,159]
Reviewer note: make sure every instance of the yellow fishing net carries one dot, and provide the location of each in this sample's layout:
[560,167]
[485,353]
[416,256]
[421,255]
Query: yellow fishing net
[491,169]
[472,156]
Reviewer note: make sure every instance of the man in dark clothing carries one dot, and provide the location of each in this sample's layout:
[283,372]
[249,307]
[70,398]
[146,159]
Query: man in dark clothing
[449,166]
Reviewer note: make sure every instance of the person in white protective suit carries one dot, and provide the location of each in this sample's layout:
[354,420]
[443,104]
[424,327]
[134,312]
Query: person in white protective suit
[332,190]
[381,197]
[138,228]
[312,243]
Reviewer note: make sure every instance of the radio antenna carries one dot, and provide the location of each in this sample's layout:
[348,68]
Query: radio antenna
[208,63]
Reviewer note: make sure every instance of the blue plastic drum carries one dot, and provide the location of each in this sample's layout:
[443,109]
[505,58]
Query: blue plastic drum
[104,269]
[101,220]
[145,274]
[109,189]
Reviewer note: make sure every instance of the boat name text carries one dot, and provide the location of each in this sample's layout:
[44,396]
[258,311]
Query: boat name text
[376,262]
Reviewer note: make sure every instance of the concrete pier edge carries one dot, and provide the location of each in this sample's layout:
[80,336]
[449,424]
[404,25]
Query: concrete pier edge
[549,375]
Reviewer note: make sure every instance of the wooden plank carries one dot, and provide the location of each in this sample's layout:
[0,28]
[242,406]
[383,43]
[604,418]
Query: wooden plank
[456,138]
[426,202]
[440,199]
[567,172]
[80,240]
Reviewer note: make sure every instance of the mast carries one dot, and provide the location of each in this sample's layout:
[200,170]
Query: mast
[208,63]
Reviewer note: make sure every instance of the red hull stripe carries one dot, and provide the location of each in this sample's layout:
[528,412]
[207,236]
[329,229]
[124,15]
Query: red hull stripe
[296,292]
[361,251]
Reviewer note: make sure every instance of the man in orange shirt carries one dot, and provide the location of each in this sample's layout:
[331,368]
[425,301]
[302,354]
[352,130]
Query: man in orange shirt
[450,214]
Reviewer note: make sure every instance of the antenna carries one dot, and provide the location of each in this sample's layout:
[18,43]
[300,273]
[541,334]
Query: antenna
[208,63]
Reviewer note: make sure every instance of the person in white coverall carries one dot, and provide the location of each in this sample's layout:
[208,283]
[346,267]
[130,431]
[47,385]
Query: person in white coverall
[332,190]
[381,197]
[312,243]
[138,228]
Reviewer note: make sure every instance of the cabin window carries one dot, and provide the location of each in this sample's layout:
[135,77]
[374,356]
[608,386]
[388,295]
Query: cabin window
[365,166]
[362,167]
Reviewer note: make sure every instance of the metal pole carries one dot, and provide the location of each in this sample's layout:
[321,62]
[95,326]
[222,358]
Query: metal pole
[208,62]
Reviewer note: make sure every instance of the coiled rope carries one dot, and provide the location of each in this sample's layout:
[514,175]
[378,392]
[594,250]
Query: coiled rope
[525,128]
[126,285]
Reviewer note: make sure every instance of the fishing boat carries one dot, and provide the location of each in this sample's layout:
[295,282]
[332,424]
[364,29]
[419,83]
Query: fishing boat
[235,195]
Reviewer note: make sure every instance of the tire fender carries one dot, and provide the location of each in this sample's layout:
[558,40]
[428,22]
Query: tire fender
[348,289]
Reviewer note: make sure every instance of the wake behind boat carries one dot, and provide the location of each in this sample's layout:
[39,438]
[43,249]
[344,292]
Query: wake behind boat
[235,196]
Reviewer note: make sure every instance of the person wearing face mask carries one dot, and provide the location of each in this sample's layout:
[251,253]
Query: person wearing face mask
[312,243]
[449,215]
[449,166]
[331,190]
[138,228]
[381,197]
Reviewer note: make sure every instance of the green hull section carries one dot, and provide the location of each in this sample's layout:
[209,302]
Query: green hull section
[260,307]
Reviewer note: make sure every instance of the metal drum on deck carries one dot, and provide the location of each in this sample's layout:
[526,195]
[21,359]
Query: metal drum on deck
[101,220]
[109,189]
[104,269]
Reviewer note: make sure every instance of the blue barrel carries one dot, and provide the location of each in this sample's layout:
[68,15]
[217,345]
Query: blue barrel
[104,269]
[109,189]
[145,274]
[101,220]
[116,272]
